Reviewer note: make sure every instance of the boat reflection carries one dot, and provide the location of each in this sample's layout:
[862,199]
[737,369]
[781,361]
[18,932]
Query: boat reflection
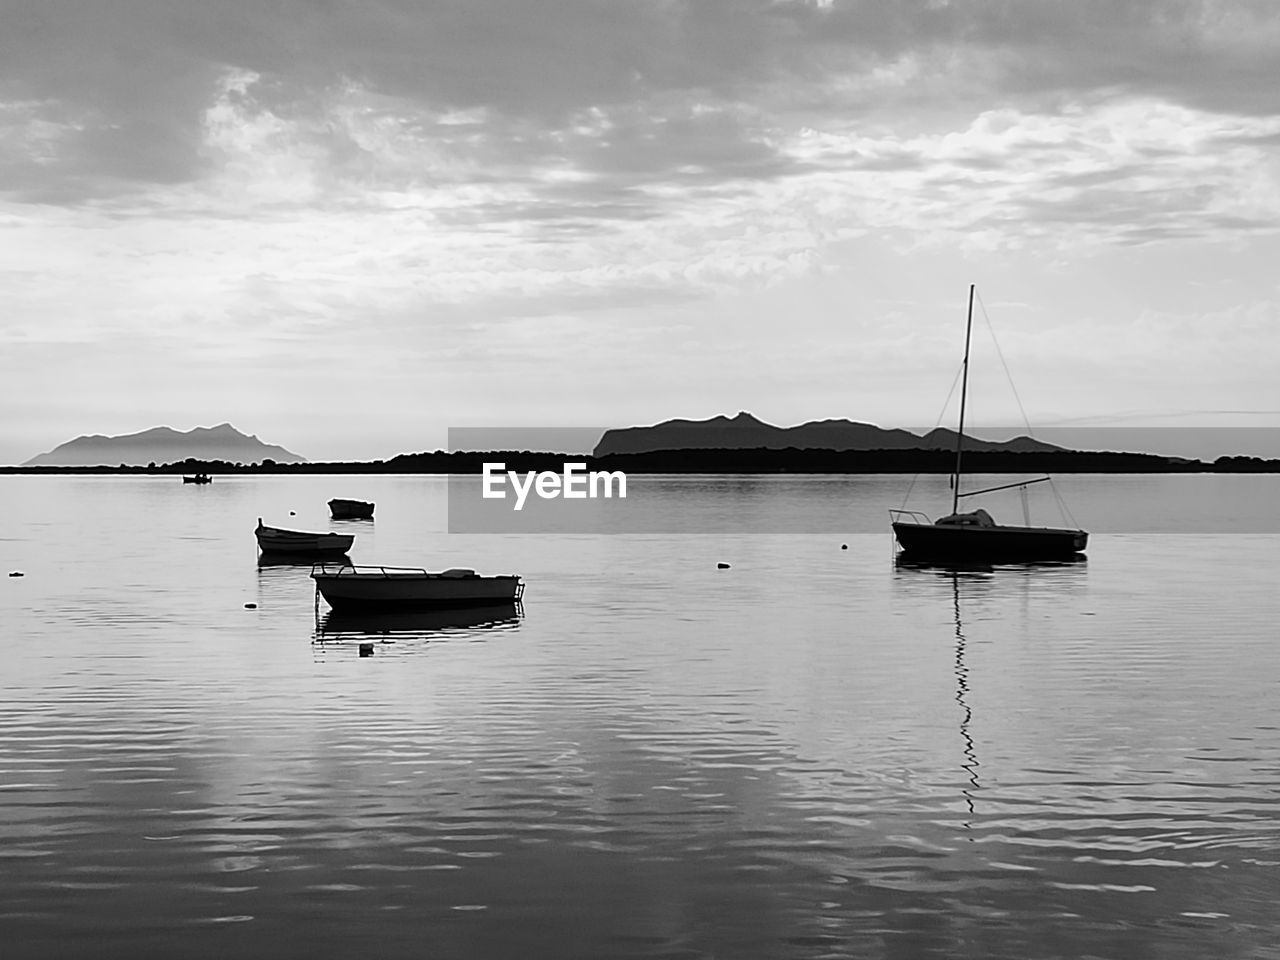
[949,568]
[348,626]
[970,764]
[274,559]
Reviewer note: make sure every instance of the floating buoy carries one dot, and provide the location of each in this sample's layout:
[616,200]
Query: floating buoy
[366,649]
[293,513]
[844,546]
[722,566]
[251,606]
[17,573]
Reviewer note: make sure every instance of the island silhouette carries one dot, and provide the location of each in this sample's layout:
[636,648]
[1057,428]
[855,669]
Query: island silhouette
[746,432]
[738,444]
[164,445]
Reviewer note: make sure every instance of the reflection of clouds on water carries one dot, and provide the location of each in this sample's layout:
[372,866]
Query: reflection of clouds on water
[337,627]
[286,581]
[667,759]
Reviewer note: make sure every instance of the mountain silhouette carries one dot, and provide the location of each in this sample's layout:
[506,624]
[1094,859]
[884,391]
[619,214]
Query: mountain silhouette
[164,445]
[745,432]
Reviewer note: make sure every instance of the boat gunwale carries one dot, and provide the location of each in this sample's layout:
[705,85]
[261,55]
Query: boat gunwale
[369,571]
[272,533]
[326,540]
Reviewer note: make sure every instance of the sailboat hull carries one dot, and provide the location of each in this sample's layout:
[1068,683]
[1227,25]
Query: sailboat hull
[946,542]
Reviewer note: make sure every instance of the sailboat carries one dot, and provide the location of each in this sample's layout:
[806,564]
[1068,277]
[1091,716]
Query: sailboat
[975,536]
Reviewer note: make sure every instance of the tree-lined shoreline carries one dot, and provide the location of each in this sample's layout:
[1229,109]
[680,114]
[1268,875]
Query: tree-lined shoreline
[707,461]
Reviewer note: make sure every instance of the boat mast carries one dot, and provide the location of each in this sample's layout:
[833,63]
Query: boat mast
[964,390]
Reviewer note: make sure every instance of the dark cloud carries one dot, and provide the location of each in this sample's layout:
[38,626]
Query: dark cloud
[670,76]
[1207,53]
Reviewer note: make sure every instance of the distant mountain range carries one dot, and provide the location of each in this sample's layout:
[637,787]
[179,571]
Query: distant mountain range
[745,432]
[164,445]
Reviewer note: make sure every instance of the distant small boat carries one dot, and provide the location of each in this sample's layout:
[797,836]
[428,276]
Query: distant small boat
[350,509]
[351,587]
[299,543]
[198,478]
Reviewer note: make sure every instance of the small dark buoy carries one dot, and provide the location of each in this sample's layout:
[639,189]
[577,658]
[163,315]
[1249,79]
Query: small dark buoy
[366,649]
[17,573]
[293,513]
[251,606]
[844,546]
[722,566]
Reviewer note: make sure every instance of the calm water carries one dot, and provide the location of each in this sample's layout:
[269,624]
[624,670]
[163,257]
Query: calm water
[813,754]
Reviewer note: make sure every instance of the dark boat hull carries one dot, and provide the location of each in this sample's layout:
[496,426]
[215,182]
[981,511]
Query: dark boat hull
[948,542]
[296,543]
[350,510]
[389,589]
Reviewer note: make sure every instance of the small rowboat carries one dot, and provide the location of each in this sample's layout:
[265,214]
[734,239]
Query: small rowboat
[198,478]
[299,543]
[351,587]
[350,509]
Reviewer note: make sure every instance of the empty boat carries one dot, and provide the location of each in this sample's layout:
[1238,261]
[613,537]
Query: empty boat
[356,587]
[300,543]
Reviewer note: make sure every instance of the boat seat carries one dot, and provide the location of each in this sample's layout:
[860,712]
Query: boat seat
[458,573]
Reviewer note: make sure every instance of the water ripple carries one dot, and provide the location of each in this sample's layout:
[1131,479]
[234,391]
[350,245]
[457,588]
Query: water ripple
[818,755]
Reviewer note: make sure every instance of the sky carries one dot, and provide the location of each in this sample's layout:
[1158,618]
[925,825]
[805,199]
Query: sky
[348,225]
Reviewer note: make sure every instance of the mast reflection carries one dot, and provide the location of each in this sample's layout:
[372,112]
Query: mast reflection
[1000,583]
[971,764]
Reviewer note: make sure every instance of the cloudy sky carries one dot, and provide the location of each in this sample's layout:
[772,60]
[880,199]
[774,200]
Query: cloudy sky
[346,225]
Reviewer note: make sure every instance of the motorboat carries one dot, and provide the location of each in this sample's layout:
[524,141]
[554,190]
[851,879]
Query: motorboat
[365,587]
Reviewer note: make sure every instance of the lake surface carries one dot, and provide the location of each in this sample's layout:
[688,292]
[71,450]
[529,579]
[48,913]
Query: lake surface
[815,753]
